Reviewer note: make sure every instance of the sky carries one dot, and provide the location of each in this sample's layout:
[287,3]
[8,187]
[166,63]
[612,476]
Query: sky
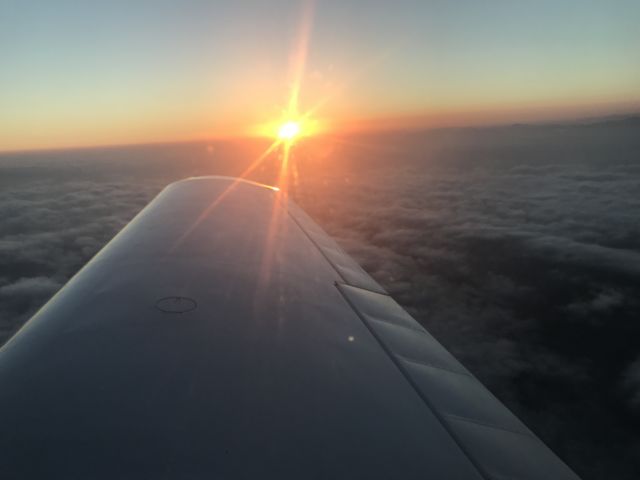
[98,73]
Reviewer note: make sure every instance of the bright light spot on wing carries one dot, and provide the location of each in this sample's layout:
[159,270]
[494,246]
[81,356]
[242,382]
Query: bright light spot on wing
[289,130]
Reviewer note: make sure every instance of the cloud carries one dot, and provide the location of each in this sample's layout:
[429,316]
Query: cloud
[20,299]
[519,252]
[602,302]
[51,226]
[30,287]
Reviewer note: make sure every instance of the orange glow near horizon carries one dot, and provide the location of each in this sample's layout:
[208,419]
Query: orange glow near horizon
[290,127]
[236,71]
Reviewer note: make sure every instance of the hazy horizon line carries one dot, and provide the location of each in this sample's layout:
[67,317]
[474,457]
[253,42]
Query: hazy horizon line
[377,125]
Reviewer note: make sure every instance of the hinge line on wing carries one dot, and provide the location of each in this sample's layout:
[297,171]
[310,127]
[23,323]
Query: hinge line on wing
[295,220]
[413,384]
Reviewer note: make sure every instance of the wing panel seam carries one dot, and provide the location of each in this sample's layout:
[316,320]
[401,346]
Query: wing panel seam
[481,471]
[431,365]
[488,425]
[308,235]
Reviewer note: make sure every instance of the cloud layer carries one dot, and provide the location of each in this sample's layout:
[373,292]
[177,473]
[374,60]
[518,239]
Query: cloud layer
[517,248]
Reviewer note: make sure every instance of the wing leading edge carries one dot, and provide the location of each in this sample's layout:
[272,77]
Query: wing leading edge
[223,334]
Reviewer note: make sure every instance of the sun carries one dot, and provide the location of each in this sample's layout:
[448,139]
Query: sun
[289,130]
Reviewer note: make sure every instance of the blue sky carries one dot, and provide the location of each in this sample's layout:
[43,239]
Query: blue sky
[105,72]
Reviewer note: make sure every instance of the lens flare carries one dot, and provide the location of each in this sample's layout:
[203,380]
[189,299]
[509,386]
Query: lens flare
[289,130]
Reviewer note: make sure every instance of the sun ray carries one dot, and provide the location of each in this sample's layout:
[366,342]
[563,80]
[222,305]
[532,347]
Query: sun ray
[287,131]
[255,164]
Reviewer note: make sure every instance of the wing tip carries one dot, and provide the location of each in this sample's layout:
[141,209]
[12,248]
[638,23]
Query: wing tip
[226,179]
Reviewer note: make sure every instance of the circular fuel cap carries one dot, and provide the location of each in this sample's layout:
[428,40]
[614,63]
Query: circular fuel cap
[176,304]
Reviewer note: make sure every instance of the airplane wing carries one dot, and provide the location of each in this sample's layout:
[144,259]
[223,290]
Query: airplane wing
[224,335]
